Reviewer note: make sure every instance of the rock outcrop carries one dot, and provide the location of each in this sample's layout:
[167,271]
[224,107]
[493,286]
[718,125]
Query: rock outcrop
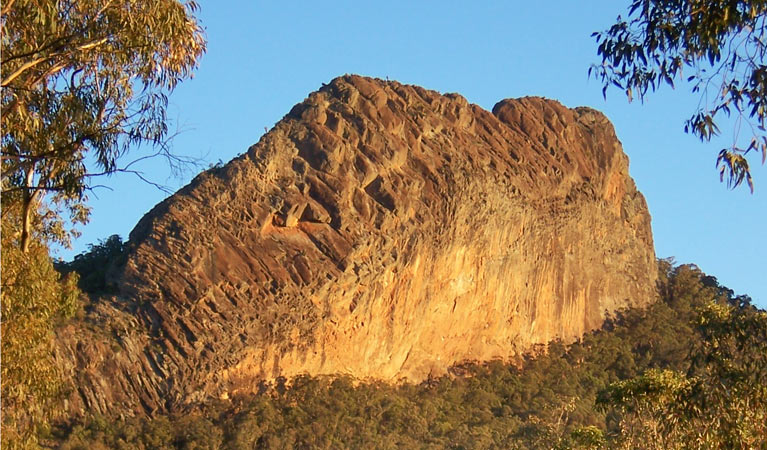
[378,230]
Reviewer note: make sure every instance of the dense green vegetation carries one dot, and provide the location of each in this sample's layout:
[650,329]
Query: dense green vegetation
[687,372]
[84,82]
[34,298]
[92,266]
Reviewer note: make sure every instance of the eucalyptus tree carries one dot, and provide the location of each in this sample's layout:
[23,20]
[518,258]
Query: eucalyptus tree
[84,81]
[717,47]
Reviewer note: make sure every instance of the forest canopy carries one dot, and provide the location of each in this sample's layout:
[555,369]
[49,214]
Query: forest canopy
[688,371]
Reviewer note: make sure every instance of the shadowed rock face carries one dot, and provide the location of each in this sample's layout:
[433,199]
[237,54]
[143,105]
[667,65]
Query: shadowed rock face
[379,230]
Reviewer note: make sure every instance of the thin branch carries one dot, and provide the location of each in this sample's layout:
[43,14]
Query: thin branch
[53,44]
[24,67]
[8,4]
[93,188]
[28,65]
[140,175]
[51,71]
[34,189]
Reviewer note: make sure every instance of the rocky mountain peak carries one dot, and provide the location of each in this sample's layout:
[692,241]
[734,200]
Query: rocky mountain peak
[378,230]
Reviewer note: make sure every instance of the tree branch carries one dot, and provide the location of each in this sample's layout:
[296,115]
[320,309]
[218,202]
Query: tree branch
[28,65]
[8,4]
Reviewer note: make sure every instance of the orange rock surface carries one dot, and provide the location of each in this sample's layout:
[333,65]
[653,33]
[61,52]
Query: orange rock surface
[379,230]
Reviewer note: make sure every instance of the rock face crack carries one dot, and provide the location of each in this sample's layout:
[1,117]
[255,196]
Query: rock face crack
[378,230]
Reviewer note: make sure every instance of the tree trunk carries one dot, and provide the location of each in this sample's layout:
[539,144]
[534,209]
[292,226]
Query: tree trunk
[28,207]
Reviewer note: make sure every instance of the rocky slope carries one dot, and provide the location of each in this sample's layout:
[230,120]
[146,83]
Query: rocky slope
[378,230]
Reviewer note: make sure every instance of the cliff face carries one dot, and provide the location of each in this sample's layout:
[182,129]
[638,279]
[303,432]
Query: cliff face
[379,230]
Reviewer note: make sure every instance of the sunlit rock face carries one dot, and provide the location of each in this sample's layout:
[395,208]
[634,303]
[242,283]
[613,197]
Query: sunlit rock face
[379,230]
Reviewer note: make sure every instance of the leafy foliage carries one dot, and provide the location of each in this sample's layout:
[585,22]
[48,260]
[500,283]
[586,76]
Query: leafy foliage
[33,297]
[92,266]
[636,367]
[644,402]
[718,46]
[82,82]
[721,402]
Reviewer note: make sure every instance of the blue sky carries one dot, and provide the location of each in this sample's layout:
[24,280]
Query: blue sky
[263,57]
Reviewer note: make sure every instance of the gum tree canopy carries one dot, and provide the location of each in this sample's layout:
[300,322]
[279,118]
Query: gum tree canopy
[718,47]
[82,82]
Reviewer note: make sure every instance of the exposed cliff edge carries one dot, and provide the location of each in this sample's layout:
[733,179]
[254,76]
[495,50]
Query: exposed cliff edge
[378,230]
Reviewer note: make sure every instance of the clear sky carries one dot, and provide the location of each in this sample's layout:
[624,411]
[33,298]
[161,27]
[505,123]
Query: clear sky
[264,57]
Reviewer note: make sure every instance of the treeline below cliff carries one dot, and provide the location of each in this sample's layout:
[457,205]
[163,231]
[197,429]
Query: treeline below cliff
[689,371]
